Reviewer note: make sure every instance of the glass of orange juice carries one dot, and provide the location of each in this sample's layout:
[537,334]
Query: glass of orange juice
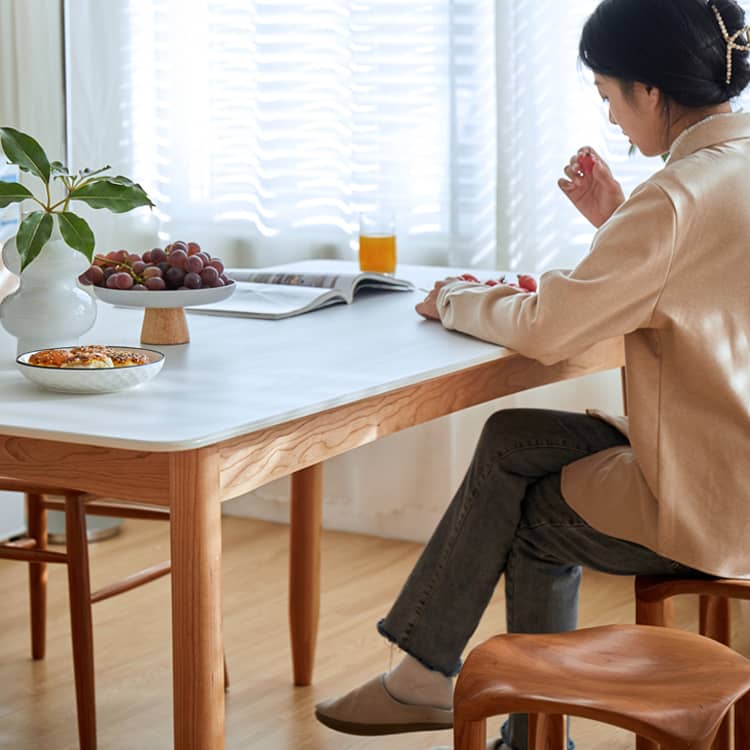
[377,242]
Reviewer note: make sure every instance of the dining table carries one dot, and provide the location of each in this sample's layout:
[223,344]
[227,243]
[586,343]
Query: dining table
[244,402]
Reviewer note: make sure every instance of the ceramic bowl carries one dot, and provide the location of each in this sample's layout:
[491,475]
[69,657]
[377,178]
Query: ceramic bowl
[83,380]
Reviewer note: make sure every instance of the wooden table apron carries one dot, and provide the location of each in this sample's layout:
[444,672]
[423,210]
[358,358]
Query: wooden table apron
[193,483]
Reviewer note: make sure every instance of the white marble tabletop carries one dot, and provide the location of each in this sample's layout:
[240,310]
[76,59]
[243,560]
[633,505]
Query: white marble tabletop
[239,375]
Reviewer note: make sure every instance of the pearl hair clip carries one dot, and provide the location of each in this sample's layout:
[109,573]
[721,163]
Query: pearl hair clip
[731,41]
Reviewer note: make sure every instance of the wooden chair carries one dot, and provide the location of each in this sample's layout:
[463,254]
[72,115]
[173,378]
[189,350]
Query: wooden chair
[653,606]
[76,506]
[668,685]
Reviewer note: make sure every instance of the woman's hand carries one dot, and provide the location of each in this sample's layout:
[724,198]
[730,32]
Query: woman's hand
[427,308]
[591,187]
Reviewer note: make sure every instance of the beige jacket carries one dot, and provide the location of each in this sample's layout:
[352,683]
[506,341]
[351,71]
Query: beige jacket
[671,271]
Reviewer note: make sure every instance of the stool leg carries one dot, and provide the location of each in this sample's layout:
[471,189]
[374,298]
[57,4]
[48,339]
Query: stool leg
[742,722]
[79,593]
[655,613]
[469,735]
[716,623]
[36,518]
[547,732]
[652,613]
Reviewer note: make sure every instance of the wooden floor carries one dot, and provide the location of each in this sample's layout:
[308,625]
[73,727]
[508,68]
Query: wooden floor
[361,575]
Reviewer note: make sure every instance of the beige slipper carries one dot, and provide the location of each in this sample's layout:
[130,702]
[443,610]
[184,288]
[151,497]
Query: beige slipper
[372,710]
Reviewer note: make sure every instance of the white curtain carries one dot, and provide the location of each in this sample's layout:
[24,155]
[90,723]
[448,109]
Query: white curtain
[261,127]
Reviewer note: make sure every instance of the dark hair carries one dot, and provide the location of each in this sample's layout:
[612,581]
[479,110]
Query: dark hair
[675,45]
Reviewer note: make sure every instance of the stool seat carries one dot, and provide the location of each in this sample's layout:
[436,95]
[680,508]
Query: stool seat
[668,685]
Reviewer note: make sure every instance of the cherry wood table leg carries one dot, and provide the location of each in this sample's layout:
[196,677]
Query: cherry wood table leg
[36,517]
[197,639]
[304,569]
[79,594]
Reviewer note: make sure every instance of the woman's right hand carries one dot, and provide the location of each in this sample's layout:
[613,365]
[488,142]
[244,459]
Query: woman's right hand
[590,186]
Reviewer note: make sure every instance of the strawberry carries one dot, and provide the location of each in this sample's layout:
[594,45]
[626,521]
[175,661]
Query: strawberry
[586,163]
[491,282]
[468,277]
[526,282]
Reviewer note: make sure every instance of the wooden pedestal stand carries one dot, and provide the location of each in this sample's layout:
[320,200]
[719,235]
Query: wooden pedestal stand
[164,325]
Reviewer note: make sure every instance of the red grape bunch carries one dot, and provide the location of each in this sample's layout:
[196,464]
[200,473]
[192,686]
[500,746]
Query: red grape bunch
[180,265]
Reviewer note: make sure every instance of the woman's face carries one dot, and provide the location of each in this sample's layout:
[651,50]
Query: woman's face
[638,112]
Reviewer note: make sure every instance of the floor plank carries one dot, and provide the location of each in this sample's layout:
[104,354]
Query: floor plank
[361,575]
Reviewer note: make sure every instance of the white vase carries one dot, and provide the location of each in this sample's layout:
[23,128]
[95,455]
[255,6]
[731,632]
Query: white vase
[49,308]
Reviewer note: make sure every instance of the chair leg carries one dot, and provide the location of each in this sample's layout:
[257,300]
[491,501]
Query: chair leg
[79,592]
[547,732]
[469,735]
[226,674]
[36,517]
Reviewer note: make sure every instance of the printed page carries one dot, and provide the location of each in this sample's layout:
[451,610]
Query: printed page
[271,300]
[343,282]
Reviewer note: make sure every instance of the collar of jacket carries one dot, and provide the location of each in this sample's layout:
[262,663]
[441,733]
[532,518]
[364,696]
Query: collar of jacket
[728,126]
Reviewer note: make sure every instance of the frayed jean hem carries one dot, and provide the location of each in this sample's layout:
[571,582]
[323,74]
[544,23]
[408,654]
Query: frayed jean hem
[392,639]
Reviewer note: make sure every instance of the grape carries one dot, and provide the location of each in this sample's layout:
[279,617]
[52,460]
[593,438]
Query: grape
[138,267]
[163,265]
[139,288]
[151,272]
[217,264]
[193,264]
[192,281]
[112,281]
[177,258]
[179,245]
[95,275]
[84,279]
[209,276]
[193,248]
[158,255]
[174,277]
[123,280]
[108,271]
[155,283]
[147,257]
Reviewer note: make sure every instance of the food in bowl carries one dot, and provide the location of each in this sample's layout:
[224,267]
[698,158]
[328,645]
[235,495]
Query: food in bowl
[88,357]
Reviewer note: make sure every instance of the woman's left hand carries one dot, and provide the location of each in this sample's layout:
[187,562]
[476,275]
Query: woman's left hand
[427,308]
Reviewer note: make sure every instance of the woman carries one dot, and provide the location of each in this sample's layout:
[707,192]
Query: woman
[665,492]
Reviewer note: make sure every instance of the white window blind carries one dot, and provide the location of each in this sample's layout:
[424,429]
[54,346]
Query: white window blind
[265,126]
[275,122]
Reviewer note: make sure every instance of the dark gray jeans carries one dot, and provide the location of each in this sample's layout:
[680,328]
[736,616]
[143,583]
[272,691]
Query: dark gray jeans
[509,516]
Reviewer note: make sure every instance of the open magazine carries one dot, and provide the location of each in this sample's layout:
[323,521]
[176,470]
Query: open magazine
[275,294]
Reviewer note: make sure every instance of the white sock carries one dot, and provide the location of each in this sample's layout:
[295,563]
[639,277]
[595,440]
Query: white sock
[411,682]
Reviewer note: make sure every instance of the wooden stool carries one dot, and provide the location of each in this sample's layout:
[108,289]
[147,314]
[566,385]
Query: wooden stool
[33,550]
[667,685]
[653,606]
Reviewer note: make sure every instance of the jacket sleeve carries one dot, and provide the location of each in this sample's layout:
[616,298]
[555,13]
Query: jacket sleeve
[613,291]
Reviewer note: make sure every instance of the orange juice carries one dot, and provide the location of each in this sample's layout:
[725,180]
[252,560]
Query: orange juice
[377,253]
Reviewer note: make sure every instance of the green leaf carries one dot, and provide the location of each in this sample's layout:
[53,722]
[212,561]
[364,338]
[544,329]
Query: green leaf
[13,192]
[104,192]
[33,233]
[77,233]
[23,150]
